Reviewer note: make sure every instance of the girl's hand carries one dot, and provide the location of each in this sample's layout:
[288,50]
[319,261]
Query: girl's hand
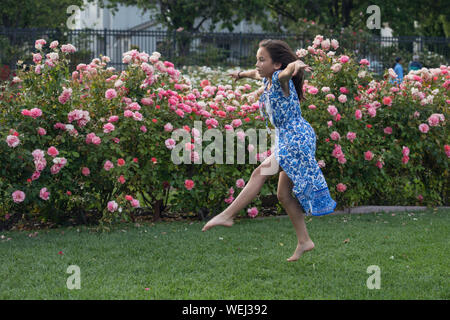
[235,75]
[298,65]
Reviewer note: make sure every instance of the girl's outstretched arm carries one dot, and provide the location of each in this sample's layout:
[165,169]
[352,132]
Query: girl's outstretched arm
[292,69]
[246,74]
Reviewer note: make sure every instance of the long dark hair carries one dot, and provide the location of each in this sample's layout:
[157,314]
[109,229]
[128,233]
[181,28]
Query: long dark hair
[280,52]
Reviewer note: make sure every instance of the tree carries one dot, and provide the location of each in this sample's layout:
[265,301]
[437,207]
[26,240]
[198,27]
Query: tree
[190,15]
[36,14]
[336,14]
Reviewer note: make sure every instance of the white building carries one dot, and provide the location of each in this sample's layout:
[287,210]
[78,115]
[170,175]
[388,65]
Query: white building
[132,18]
[128,19]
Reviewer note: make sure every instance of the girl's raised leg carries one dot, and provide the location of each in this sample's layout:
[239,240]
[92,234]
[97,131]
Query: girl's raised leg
[295,212]
[266,169]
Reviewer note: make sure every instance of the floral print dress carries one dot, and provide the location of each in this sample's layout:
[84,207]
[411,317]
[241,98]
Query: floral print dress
[295,147]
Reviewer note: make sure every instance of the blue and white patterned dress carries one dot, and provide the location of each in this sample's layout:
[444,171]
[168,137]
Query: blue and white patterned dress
[295,147]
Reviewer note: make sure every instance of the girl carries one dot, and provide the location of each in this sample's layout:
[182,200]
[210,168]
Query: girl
[295,144]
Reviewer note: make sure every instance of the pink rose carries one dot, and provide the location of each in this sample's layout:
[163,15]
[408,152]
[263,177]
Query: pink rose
[35,113]
[372,112]
[240,183]
[358,114]
[337,151]
[54,44]
[341,187]
[180,113]
[35,175]
[168,127]
[405,151]
[44,194]
[335,135]
[332,110]
[135,203]
[312,107]
[392,73]
[334,44]
[37,58]
[137,116]
[447,150]
[336,67]
[85,171]
[351,136]
[330,96]
[388,130]
[108,165]
[69,48]
[189,184]
[147,101]
[252,212]
[65,95]
[313,90]
[39,43]
[241,135]
[344,59]
[368,155]
[143,129]
[112,206]
[342,98]
[170,144]
[344,90]
[42,132]
[387,101]
[96,140]
[18,196]
[113,119]
[364,62]
[325,44]
[424,128]
[12,141]
[229,200]
[109,127]
[433,120]
[110,94]
[236,123]
[52,151]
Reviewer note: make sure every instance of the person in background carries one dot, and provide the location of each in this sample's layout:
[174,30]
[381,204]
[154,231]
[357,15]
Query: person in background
[398,69]
[415,64]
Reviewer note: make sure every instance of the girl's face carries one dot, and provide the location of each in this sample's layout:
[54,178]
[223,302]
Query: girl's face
[264,63]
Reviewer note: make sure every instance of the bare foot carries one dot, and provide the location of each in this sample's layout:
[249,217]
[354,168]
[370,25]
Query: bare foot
[219,220]
[307,246]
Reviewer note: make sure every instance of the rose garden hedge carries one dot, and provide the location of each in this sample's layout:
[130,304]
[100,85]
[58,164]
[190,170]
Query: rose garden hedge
[98,141]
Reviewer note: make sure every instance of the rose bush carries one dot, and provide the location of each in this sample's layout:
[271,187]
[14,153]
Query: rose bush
[100,141]
[378,141]
[107,136]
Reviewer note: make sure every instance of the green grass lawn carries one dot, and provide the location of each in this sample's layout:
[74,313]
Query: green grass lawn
[175,260]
